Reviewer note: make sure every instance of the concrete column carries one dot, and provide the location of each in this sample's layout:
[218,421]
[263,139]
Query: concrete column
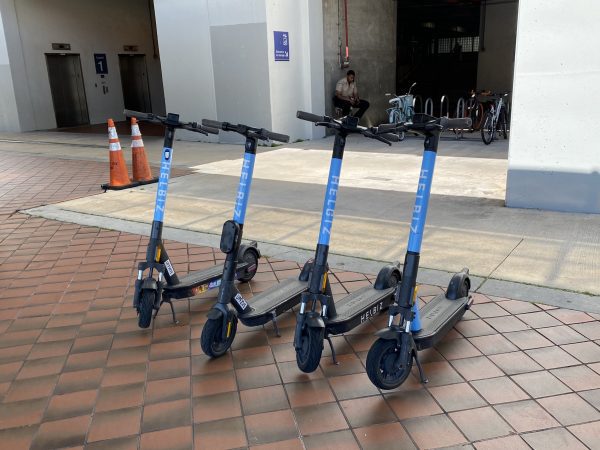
[496,60]
[9,116]
[372,41]
[554,162]
[297,84]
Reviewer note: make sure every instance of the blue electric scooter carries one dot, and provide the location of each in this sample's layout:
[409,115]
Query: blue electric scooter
[390,358]
[150,293]
[320,316]
[219,330]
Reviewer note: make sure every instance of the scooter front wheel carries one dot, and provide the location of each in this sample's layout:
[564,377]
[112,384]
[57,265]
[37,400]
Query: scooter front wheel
[211,339]
[308,356]
[145,308]
[382,367]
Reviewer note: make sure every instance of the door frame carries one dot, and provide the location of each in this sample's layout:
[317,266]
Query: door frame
[147,76]
[87,109]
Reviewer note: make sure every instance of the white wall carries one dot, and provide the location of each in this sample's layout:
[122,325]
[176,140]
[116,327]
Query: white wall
[9,115]
[554,162]
[218,62]
[186,59]
[297,84]
[495,63]
[90,27]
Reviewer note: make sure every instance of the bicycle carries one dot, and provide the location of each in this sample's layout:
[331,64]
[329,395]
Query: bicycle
[495,119]
[402,109]
[475,110]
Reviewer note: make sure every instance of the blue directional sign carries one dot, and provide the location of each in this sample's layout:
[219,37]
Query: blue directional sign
[100,62]
[282,45]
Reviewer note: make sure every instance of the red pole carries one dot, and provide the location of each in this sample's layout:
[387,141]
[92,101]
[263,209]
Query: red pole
[346,27]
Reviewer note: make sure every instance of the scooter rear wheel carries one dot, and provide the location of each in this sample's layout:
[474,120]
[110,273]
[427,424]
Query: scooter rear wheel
[145,308]
[308,356]
[381,361]
[211,339]
[250,257]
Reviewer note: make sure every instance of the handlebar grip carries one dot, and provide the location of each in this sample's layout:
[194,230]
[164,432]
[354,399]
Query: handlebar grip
[209,130]
[196,128]
[309,117]
[463,123]
[277,137]
[390,137]
[138,114]
[387,127]
[212,123]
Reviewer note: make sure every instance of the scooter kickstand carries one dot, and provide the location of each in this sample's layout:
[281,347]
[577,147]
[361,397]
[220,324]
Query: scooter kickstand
[424,379]
[275,327]
[335,361]
[175,321]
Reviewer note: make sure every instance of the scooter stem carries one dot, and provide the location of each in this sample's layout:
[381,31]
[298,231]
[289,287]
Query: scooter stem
[317,283]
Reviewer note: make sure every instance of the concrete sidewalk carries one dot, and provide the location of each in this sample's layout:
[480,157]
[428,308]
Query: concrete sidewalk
[468,224]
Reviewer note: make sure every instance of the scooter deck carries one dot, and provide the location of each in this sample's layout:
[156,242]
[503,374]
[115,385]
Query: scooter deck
[358,307]
[438,317]
[269,304]
[198,282]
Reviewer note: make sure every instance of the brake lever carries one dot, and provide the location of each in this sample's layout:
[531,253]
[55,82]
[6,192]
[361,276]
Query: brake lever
[372,135]
[335,125]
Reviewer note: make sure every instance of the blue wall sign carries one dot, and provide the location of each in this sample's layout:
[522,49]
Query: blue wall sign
[100,62]
[282,45]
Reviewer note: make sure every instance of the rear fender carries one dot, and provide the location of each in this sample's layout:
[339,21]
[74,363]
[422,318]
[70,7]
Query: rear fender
[454,287]
[248,248]
[384,275]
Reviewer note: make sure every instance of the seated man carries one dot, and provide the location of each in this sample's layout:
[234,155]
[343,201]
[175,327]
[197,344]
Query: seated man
[346,96]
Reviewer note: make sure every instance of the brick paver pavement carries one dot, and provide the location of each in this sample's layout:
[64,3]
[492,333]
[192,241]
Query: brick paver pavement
[75,370]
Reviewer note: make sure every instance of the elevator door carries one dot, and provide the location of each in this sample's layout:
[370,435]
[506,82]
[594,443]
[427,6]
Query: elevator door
[134,80]
[68,92]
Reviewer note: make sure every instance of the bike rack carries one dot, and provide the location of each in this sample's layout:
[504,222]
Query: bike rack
[447,100]
[460,112]
[420,108]
[429,107]
[460,108]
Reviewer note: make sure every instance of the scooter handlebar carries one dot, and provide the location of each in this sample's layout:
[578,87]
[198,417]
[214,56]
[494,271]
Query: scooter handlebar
[459,123]
[212,124]
[260,133]
[139,115]
[390,137]
[387,127]
[309,117]
[276,136]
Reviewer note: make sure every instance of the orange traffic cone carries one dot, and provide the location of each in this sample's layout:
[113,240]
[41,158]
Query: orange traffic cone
[141,168]
[119,178]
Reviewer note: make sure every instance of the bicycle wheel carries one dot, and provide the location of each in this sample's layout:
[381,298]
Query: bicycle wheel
[397,118]
[488,129]
[502,127]
[478,115]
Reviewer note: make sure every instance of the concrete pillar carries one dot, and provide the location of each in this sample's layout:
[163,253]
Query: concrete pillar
[372,41]
[496,60]
[554,162]
[16,108]
[9,116]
